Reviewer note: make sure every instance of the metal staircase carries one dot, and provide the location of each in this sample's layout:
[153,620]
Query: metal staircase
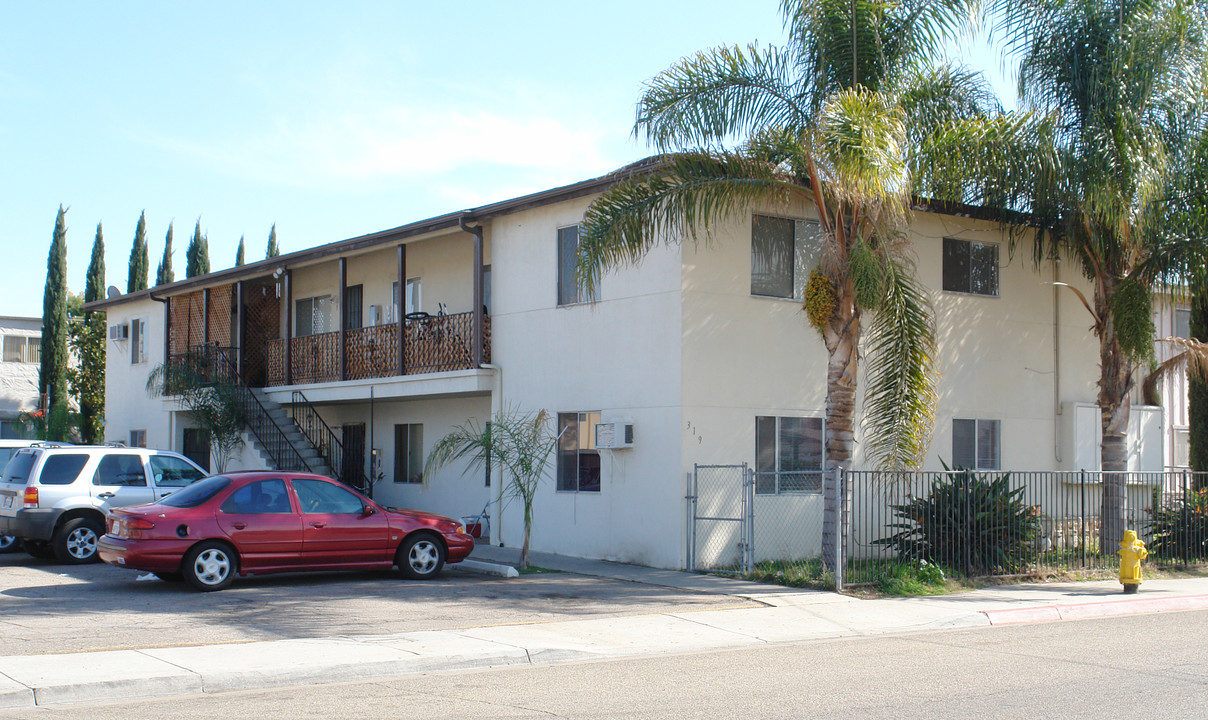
[274,430]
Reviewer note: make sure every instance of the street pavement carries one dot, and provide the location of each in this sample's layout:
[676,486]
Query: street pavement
[751,615]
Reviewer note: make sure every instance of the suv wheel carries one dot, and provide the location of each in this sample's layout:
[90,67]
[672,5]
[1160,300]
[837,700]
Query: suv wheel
[8,543]
[75,542]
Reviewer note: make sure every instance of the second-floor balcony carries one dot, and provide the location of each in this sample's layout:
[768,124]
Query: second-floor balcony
[433,343]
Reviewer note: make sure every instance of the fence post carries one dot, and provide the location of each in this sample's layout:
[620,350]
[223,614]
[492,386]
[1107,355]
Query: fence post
[690,559]
[749,518]
[1082,516]
[840,530]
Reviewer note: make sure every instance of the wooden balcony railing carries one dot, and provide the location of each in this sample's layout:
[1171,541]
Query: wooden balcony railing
[438,343]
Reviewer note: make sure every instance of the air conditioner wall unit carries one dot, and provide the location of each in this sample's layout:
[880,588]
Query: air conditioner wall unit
[616,435]
[119,332]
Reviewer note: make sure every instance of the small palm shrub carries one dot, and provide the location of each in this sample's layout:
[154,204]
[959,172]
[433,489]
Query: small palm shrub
[969,521]
[1180,532]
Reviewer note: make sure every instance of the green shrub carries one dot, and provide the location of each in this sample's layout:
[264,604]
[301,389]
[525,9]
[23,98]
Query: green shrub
[969,521]
[1181,532]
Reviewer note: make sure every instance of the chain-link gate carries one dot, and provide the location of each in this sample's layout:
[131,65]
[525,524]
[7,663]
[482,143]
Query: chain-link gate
[720,520]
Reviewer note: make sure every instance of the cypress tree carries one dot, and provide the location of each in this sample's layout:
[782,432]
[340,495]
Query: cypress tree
[164,274]
[273,250]
[52,377]
[193,251]
[239,253]
[94,284]
[197,257]
[87,380]
[140,263]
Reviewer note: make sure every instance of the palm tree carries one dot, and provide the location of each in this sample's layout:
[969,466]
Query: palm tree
[1124,82]
[518,442]
[848,117]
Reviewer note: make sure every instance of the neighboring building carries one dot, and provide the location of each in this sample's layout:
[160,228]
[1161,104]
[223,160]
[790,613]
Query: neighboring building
[705,351]
[19,365]
[1172,318]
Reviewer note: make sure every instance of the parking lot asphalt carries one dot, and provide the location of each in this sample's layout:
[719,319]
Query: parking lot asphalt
[46,607]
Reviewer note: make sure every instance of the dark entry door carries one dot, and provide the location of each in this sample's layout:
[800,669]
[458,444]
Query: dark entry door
[353,464]
[197,447]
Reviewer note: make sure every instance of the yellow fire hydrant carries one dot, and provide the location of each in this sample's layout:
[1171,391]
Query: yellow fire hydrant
[1132,551]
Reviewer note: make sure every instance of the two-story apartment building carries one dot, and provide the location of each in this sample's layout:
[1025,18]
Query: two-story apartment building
[703,353]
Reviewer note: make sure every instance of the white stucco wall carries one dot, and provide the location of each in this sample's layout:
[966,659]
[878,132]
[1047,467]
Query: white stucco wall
[619,356]
[127,404]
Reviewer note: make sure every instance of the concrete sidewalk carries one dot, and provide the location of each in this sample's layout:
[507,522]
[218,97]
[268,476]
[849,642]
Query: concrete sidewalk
[784,615]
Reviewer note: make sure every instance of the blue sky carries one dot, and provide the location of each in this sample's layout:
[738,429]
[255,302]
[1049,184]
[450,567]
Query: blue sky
[329,119]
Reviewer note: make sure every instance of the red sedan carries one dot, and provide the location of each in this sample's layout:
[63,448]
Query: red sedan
[253,523]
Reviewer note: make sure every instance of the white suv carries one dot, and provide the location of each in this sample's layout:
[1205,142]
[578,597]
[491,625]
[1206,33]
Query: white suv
[53,498]
[8,448]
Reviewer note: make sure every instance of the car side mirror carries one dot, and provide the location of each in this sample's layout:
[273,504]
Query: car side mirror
[368,510]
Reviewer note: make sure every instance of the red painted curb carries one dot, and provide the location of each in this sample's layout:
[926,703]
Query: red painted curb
[1051,613]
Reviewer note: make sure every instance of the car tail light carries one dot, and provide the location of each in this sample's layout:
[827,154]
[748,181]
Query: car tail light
[31,497]
[139,524]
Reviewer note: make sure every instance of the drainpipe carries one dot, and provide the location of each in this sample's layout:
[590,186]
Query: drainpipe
[476,231]
[496,410]
[1057,361]
[167,356]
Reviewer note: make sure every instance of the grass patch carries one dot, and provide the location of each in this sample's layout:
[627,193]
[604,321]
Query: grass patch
[534,570]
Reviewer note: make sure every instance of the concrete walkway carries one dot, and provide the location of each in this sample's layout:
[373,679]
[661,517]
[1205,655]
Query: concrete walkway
[784,615]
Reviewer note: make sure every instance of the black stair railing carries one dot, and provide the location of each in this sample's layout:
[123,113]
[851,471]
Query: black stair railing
[348,469]
[217,364]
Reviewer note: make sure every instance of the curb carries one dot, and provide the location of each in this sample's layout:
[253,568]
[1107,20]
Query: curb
[486,568]
[1053,613]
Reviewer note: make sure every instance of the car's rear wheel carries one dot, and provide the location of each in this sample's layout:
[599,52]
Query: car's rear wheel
[8,543]
[210,566]
[38,548]
[75,542]
[420,557]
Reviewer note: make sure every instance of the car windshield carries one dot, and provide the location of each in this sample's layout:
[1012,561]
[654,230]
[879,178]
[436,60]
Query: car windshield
[17,469]
[197,493]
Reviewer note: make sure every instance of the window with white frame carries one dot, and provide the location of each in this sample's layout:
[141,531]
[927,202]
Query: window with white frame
[970,267]
[570,291]
[411,301]
[138,341]
[1182,447]
[313,315]
[976,445]
[22,349]
[783,252]
[409,453]
[1182,322]
[138,438]
[789,454]
[578,458]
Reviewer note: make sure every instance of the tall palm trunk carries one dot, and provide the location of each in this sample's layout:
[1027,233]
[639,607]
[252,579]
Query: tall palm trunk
[1115,381]
[842,337]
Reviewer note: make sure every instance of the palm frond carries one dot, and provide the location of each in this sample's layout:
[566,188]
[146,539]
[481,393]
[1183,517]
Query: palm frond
[720,95]
[842,44]
[692,193]
[899,404]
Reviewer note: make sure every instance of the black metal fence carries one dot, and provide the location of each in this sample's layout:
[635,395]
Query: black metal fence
[956,524]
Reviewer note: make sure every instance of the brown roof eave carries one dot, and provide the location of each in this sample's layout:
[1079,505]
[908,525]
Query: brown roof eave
[422,227]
